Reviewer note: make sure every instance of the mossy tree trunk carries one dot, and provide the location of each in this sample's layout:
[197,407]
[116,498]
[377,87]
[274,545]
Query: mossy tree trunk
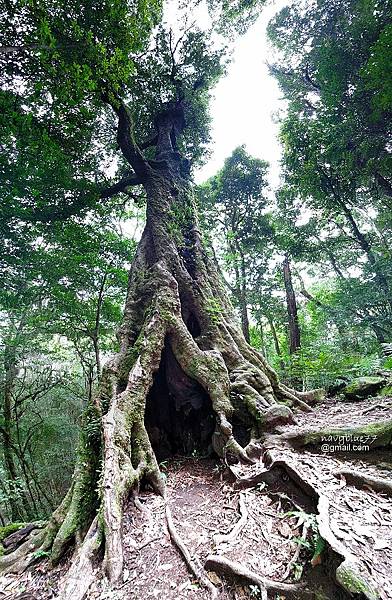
[184,375]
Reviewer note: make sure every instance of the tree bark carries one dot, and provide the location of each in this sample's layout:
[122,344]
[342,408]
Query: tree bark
[95,333]
[241,289]
[262,339]
[360,237]
[334,264]
[244,300]
[367,249]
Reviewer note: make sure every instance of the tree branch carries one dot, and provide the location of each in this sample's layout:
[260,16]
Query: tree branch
[5,50]
[50,214]
[152,141]
[121,186]
[15,49]
[125,134]
[309,80]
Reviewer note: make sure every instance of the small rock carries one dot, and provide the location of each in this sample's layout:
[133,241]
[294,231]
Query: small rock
[278,414]
[213,577]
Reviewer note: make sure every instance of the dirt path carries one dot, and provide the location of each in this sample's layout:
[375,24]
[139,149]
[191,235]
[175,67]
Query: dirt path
[204,508]
[269,528]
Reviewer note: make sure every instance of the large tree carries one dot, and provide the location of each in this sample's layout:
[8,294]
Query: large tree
[184,371]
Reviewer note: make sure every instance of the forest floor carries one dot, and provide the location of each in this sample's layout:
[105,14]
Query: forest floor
[223,511]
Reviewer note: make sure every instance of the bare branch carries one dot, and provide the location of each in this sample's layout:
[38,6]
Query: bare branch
[121,186]
[125,134]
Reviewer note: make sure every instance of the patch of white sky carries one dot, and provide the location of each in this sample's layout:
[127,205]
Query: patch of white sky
[246,99]
[245,102]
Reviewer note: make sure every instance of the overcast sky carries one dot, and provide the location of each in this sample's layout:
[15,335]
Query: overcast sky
[244,103]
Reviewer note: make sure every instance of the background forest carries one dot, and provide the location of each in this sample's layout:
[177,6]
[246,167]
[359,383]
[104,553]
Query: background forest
[308,265]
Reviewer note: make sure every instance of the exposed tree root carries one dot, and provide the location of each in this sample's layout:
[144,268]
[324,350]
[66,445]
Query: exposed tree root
[21,558]
[14,540]
[360,480]
[373,407]
[281,476]
[81,573]
[238,527]
[193,563]
[347,573]
[296,554]
[221,564]
[128,455]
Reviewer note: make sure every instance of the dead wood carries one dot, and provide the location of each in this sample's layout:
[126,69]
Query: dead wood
[14,540]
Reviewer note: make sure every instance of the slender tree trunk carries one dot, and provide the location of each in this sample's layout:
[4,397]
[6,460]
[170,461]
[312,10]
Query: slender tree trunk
[276,342]
[95,334]
[379,333]
[244,300]
[97,355]
[306,294]
[292,312]
[334,265]
[367,248]
[23,467]
[384,184]
[361,238]
[241,289]
[34,475]
[262,338]
[16,499]
[87,369]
